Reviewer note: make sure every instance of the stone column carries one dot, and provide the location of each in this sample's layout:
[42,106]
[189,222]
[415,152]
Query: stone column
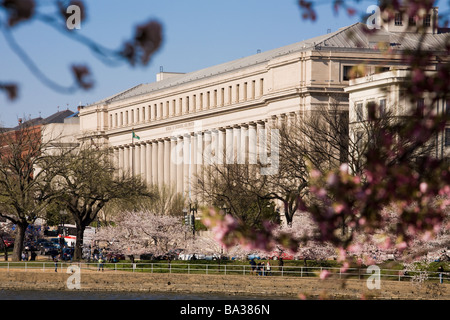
[148,163]
[214,146]
[154,162]
[221,147]
[121,164]
[186,160]
[194,146]
[173,163]
[166,179]
[180,165]
[252,143]
[237,144]
[137,159]
[207,148]
[262,142]
[143,164]
[243,152]
[160,162]
[126,159]
[229,143]
[132,164]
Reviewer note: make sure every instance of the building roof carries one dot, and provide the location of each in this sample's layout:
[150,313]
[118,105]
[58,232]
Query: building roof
[57,117]
[353,37]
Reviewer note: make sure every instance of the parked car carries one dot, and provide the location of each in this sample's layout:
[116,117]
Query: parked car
[67,253]
[56,242]
[284,255]
[30,246]
[192,256]
[48,249]
[173,254]
[185,256]
[9,243]
[216,257]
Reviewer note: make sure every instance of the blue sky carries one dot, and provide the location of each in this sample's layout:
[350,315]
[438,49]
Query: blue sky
[197,34]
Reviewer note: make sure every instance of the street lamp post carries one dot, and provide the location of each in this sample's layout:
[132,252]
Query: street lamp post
[62,240]
[193,210]
[186,221]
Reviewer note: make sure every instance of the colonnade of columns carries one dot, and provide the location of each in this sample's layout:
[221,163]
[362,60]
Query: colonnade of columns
[176,160]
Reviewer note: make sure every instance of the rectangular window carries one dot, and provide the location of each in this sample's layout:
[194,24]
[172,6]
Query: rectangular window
[230,94]
[447,109]
[253,89]
[349,72]
[427,20]
[398,21]
[359,140]
[346,73]
[359,112]
[382,107]
[412,21]
[201,100]
[261,86]
[222,97]
[215,99]
[381,69]
[245,91]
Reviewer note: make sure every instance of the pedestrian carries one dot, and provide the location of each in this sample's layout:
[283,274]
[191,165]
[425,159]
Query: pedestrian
[258,268]
[100,263]
[253,264]
[441,274]
[268,268]
[263,268]
[56,264]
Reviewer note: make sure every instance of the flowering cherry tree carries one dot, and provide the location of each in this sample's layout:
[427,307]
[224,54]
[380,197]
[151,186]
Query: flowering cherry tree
[142,233]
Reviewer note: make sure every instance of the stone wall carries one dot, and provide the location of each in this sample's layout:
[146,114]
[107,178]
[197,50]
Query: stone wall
[223,284]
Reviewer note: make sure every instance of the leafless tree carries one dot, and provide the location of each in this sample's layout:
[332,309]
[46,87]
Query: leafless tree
[87,180]
[26,171]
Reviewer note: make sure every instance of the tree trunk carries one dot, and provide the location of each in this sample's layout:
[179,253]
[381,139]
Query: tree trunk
[5,249]
[18,241]
[78,253]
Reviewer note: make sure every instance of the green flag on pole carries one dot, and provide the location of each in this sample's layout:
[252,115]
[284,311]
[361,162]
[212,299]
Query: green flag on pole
[136,136]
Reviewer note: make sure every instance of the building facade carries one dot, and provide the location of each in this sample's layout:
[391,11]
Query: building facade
[386,91]
[167,130]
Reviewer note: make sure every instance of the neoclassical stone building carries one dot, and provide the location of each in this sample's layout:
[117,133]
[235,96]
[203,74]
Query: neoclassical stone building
[167,130]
